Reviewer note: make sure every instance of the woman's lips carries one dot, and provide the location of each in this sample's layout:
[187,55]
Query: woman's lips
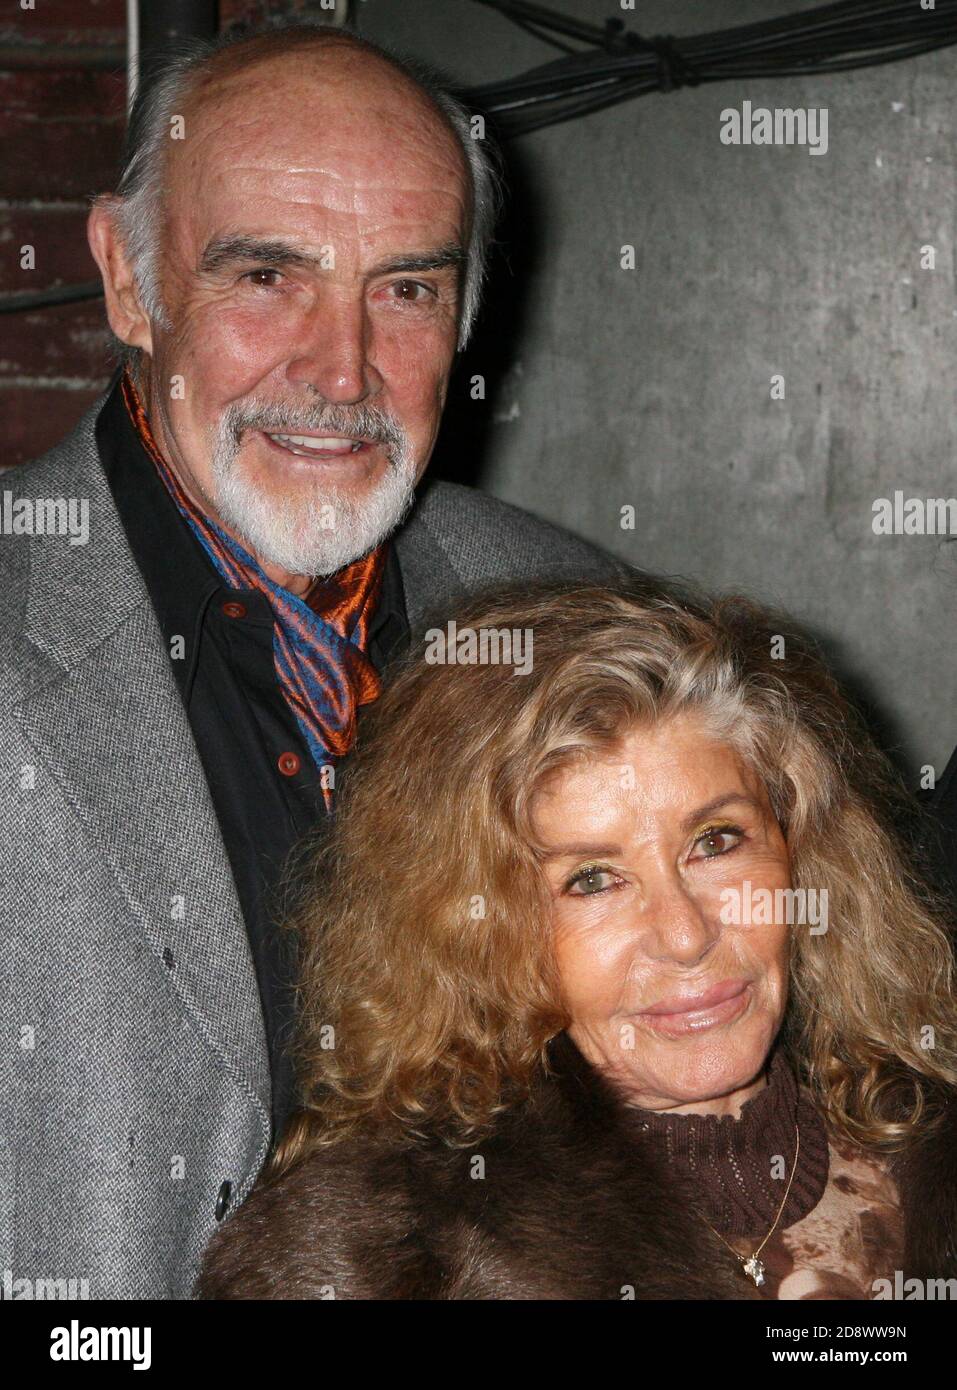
[723,1003]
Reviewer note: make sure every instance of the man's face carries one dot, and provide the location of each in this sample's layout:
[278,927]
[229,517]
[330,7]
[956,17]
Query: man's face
[317,217]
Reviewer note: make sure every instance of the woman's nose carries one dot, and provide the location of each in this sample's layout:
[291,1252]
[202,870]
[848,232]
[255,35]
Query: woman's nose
[677,927]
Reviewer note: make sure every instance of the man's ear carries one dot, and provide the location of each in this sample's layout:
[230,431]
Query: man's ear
[123,308]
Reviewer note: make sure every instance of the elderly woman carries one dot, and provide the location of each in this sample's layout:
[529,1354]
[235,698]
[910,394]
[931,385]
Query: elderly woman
[617,984]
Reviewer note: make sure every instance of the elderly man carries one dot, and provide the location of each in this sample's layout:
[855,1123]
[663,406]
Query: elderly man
[292,259]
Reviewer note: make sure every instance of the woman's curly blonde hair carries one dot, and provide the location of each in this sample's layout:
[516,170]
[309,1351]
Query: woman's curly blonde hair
[429,990]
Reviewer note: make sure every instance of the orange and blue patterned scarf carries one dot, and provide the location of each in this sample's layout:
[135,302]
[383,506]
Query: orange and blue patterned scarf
[319,642]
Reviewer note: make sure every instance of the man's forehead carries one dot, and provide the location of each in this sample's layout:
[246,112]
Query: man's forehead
[343,181]
[314,209]
[290,151]
[323,118]
[322,180]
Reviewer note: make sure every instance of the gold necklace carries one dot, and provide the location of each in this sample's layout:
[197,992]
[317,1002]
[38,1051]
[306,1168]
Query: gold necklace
[753,1267]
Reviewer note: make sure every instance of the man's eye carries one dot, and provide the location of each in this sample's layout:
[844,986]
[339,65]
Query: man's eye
[715,842]
[588,882]
[412,291]
[254,277]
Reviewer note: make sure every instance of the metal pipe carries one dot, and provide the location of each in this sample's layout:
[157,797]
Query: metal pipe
[159,23]
[132,50]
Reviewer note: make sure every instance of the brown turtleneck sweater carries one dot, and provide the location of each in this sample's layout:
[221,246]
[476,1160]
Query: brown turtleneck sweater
[741,1166]
[840,1228]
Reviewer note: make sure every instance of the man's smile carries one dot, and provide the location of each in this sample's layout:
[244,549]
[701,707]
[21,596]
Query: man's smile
[319,446]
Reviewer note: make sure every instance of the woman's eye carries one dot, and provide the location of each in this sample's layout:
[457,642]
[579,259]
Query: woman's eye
[254,277]
[715,842]
[590,881]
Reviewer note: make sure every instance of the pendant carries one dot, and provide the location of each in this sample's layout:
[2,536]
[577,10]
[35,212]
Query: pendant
[755,1270]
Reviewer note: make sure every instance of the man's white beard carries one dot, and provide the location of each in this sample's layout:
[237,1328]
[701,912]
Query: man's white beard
[317,529]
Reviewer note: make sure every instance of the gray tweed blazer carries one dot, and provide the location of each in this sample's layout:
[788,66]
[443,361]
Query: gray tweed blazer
[135,1095]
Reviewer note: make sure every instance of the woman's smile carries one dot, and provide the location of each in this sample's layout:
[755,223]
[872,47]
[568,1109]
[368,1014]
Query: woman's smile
[723,1003]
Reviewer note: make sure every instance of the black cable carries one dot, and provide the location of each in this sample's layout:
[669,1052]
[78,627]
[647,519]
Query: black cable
[539,14]
[543,35]
[838,37]
[20,301]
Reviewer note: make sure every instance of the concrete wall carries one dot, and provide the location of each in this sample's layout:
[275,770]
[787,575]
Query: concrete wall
[653,387]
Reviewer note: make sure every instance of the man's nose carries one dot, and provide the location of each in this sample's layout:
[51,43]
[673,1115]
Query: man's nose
[331,354]
[675,926]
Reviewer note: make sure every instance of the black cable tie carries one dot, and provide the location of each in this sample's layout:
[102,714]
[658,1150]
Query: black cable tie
[674,70]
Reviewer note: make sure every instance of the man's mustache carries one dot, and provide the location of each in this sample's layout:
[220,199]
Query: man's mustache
[332,421]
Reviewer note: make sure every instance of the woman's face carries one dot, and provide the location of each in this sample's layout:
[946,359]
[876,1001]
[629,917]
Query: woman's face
[668,988]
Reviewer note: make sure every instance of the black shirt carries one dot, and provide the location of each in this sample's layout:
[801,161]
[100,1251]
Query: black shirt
[220,643]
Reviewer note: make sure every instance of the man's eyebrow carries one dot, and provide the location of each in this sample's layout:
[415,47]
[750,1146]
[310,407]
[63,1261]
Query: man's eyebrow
[225,251]
[229,250]
[416,262]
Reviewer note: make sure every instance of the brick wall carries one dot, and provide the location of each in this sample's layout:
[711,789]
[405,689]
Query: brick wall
[62,114]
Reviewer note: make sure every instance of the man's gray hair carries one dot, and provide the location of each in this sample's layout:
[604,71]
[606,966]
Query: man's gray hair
[137,205]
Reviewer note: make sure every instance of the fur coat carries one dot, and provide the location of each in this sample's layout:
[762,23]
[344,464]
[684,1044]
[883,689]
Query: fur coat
[565,1199]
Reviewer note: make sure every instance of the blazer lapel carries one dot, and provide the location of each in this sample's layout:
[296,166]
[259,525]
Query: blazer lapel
[431,585]
[106,718]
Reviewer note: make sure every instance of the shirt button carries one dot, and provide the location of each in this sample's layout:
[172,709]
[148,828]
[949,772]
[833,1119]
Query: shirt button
[222,1201]
[232,609]
[289,764]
